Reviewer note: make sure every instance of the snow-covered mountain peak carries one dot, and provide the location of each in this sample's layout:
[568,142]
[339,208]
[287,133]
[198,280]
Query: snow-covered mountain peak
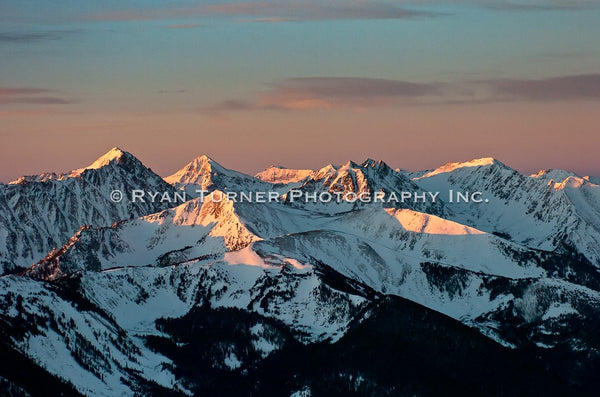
[56,206]
[196,171]
[349,165]
[367,167]
[206,174]
[114,155]
[279,174]
[329,169]
[371,163]
[205,162]
[482,161]
[449,167]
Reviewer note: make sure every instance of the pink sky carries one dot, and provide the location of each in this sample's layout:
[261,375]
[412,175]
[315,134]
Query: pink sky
[299,83]
[528,137]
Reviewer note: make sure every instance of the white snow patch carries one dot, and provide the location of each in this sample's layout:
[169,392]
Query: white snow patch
[557,310]
[420,222]
[264,346]
[245,256]
[231,361]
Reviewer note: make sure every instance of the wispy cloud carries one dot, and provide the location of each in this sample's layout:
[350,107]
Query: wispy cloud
[320,10]
[317,10]
[32,96]
[563,88]
[184,26]
[513,5]
[359,92]
[334,92]
[273,19]
[6,92]
[234,105]
[540,5]
[39,100]
[278,11]
[345,87]
[34,36]
[30,112]
[311,93]
[180,91]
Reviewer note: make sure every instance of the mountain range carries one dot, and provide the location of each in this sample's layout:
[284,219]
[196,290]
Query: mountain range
[105,296]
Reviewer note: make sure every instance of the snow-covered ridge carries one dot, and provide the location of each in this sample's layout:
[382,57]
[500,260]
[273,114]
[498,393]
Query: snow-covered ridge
[537,211]
[574,182]
[553,174]
[194,229]
[429,224]
[449,167]
[560,179]
[277,174]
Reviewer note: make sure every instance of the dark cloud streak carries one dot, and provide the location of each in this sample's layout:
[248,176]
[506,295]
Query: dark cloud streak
[278,11]
[579,87]
[185,26]
[316,10]
[34,37]
[5,91]
[38,100]
[348,87]
[360,92]
[32,96]
[548,5]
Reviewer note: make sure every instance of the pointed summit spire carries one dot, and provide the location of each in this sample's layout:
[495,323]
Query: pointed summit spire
[115,154]
[371,163]
[203,159]
[196,171]
[205,173]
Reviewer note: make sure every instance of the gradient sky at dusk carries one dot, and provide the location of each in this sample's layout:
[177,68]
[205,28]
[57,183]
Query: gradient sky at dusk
[299,83]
